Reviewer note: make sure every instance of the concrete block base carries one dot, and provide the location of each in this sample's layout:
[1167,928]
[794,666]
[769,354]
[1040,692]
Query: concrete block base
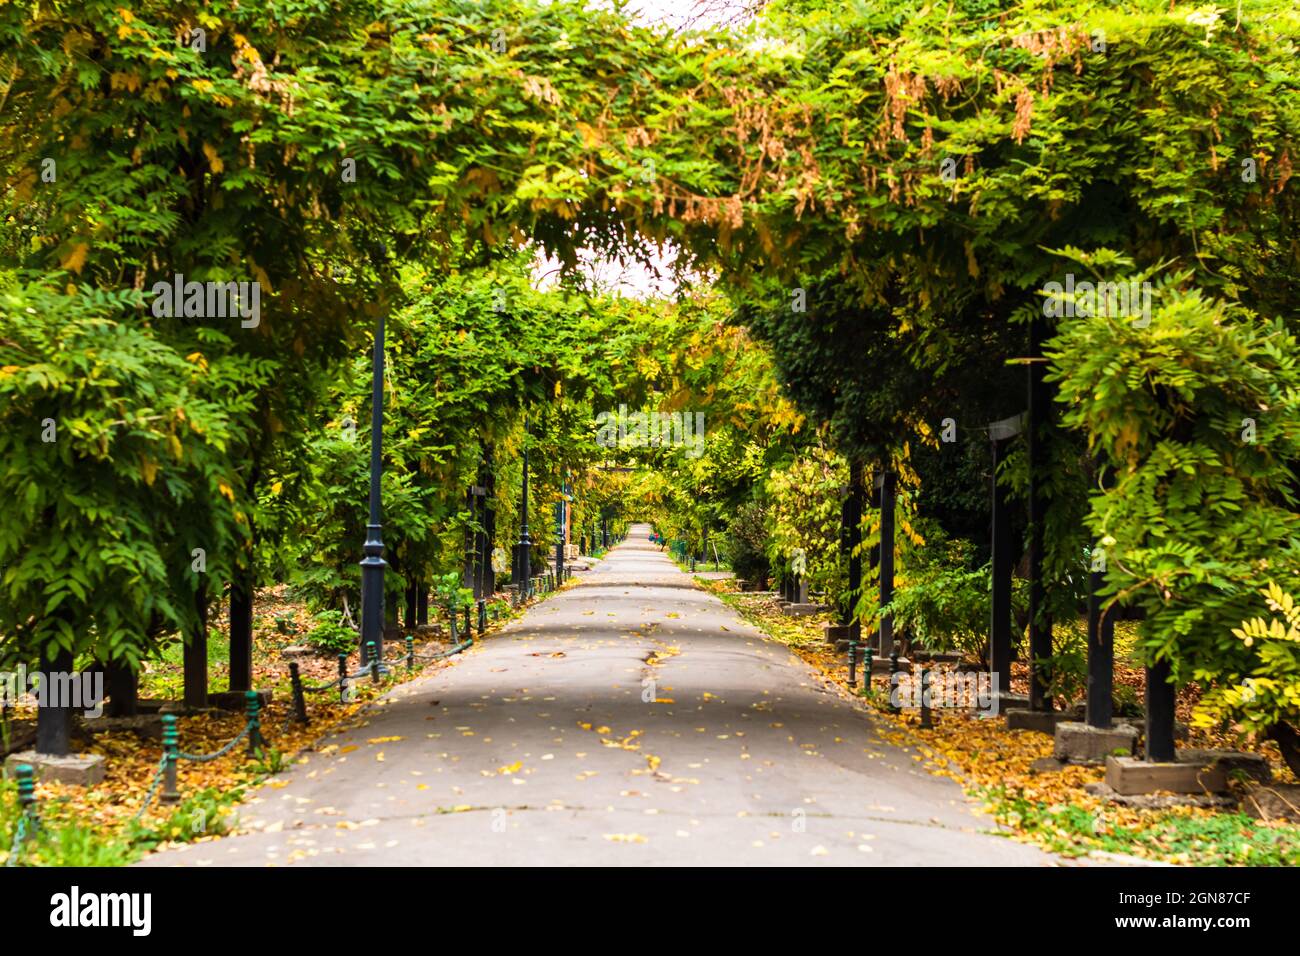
[1278,802]
[1042,721]
[1161,801]
[148,726]
[81,770]
[802,610]
[1080,743]
[835,633]
[1129,776]
[1232,762]
[880,665]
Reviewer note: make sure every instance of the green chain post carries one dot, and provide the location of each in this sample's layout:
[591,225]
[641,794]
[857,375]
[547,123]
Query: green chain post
[372,655]
[867,660]
[343,678]
[410,653]
[27,795]
[171,754]
[853,662]
[254,721]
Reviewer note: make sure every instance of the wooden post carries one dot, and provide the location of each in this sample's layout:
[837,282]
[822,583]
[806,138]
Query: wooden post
[885,486]
[1160,714]
[1040,622]
[123,690]
[1101,656]
[851,539]
[54,723]
[1003,560]
[487,583]
[241,631]
[194,658]
[411,596]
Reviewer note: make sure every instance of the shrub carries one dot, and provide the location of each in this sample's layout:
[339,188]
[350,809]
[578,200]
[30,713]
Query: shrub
[745,543]
[331,635]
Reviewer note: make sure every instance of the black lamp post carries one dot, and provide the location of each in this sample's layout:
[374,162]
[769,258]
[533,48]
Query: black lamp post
[373,564]
[523,550]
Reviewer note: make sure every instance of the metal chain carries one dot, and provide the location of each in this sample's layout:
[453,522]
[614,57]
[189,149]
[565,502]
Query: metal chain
[20,834]
[322,687]
[455,649]
[204,758]
[153,788]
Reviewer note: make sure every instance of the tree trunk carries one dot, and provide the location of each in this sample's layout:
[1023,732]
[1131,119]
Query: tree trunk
[1288,741]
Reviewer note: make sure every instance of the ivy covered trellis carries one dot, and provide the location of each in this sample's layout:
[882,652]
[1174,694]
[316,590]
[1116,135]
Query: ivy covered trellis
[934,166]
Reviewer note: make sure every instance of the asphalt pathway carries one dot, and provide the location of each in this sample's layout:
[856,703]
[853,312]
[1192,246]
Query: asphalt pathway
[632,719]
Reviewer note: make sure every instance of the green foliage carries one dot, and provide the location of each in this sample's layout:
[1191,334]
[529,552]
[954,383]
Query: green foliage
[1224,839]
[331,635]
[1196,419]
[1270,695]
[117,466]
[204,813]
[746,537]
[803,517]
[946,610]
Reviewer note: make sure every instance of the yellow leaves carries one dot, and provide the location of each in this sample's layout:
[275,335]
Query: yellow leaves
[626,838]
[383,740]
[228,493]
[124,81]
[276,487]
[214,161]
[149,470]
[512,768]
[591,137]
[75,258]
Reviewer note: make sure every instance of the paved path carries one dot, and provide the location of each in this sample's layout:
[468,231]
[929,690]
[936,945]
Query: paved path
[632,719]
